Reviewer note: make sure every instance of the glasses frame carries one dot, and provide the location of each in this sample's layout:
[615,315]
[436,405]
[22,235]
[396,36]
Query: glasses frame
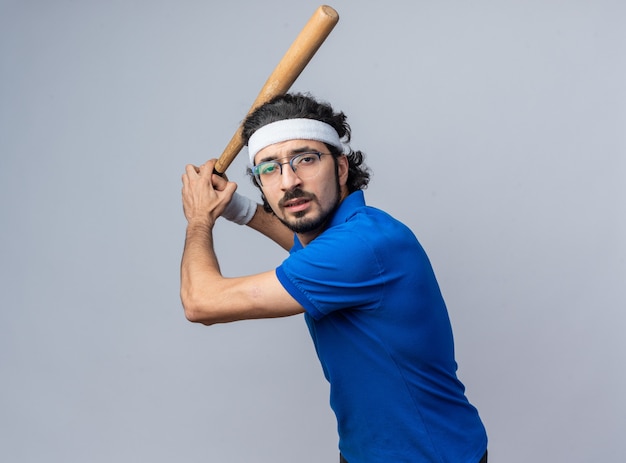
[294,169]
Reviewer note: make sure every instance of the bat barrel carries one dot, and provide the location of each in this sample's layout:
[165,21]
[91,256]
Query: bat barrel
[291,65]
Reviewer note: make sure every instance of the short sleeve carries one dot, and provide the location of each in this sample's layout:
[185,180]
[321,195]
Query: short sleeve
[337,270]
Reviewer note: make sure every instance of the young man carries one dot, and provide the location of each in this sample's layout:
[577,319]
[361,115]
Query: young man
[366,288]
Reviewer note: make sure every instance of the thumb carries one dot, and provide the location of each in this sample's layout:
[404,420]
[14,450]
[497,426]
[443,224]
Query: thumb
[229,188]
[219,182]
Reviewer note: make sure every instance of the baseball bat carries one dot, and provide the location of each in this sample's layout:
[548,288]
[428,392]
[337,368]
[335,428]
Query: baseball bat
[286,72]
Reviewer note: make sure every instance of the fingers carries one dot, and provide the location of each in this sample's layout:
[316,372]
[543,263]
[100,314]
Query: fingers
[207,168]
[219,182]
[206,172]
[203,170]
[191,170]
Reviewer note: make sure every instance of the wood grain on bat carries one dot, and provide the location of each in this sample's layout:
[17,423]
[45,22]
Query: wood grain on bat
[286,72]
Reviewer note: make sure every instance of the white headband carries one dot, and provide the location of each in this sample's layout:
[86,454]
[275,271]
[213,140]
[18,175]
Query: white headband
[292,129]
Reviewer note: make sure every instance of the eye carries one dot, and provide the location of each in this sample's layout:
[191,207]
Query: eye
[306,158]
[267,168]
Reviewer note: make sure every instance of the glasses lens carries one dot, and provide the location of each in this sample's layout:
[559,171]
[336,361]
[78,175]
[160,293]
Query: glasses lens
[305,165]
[267,172]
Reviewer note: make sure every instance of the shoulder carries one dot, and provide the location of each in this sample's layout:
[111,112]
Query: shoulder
[373,228]
[362,244]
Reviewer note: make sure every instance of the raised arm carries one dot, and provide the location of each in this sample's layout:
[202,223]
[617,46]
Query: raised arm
[207,296]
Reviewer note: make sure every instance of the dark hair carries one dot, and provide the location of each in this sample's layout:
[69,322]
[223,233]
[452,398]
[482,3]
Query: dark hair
[301,106]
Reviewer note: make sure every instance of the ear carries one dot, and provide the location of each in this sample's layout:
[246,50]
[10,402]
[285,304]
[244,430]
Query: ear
[343,168]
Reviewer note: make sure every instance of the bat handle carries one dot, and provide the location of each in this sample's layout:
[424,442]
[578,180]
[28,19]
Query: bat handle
[230,153]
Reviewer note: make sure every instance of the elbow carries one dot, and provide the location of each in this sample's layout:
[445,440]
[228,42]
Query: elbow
[196,312]
[194,316]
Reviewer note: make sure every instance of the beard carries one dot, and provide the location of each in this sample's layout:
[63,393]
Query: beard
[300,223]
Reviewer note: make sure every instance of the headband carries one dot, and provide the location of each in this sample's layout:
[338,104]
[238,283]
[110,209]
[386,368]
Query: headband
[292,129]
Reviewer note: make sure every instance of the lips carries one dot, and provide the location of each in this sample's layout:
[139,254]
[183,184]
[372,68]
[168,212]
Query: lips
[296,205]
[296,201]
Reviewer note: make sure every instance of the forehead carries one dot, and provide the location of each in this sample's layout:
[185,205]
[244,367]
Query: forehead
[288,148]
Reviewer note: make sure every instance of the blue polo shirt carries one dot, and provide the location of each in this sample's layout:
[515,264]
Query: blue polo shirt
[382,334]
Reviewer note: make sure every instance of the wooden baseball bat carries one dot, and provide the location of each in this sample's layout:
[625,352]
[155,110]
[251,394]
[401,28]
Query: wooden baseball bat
[286,72]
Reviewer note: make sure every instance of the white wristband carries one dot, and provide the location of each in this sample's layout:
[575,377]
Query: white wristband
[240,210]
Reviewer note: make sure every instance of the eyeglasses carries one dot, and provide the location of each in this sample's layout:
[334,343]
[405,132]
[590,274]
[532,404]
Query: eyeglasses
[304,165]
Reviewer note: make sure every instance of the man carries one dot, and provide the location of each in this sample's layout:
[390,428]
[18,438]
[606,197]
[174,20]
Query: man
[366,288]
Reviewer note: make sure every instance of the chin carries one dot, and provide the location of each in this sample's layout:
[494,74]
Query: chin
[305,225]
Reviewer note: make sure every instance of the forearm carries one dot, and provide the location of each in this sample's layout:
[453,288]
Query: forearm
[209,298]
[269,225]
[244,211]
[199,271]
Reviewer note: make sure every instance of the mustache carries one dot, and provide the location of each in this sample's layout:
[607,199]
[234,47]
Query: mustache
[295,194]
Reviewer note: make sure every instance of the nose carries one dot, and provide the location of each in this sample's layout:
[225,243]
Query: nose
[288,179]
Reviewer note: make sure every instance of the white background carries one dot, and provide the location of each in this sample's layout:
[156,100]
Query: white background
[494,129]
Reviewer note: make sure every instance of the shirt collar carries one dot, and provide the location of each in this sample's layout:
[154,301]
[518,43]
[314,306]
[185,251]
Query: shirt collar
[346,209]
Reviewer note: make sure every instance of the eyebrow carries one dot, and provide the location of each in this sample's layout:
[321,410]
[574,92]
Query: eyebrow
[293,152]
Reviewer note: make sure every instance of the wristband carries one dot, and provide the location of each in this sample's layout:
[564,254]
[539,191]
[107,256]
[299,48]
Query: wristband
[240,209]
